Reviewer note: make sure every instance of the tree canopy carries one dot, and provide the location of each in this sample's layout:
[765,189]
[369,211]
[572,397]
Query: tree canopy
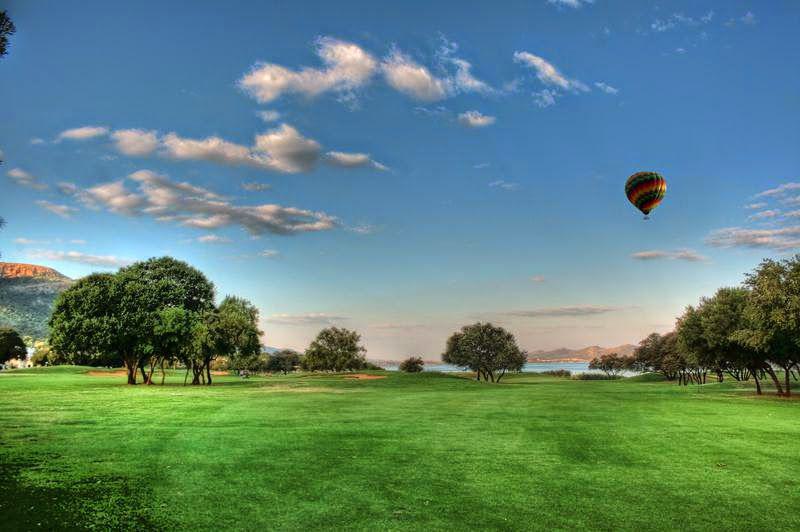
[486,349]
[11,345]
[335,349]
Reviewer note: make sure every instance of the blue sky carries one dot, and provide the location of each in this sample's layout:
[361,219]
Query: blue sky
[404,170]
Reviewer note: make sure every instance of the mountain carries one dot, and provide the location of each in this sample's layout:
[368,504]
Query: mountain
[27,293]
[564,354]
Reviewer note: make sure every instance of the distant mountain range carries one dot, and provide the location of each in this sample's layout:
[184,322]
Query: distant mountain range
[27,293]
[564,354]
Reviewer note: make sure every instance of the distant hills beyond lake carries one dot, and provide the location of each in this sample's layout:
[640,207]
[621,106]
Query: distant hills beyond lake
[578,355]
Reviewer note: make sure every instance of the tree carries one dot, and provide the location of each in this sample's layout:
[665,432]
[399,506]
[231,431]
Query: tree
[335,349]
[11,345]
[173,337]
[772,316]
[6,30]
[85,324]
[284,361]
[487,350]
[233,333]
[412,365]
[611,364]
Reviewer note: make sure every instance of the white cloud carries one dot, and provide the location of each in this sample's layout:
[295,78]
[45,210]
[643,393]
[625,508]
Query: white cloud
[29,242]
[779,239]
[193,206]
[748,18]
[545,98]
[25,179]
[413,79]
[36,141]
[538,279]
[363,229]
[107,261]
[505,185]
[135,142]
[605,87]
[270,254]
[758,205]
[287,150]
[83,133]
[353,160]
[548,74]
[681,254]
[313,318]
[347,67]
[574,311]
[778,191]
[78,241]
[254,186]
[64,211]
[575,4]
[269,115]
[677,20]
[213,239]
[475,119]
[772,213]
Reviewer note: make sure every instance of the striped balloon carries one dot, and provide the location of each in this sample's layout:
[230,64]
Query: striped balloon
[645,190]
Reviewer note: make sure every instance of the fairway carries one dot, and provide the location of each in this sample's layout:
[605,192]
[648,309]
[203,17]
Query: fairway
[407,452]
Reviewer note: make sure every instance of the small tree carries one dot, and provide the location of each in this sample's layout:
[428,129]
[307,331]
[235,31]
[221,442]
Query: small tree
[611,364]
[11,345]
[412,365]
[284,361]
[487,350]
[335,349]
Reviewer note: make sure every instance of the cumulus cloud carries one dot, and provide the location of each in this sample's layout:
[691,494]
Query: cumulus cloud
[346,67]
[405,75]
[680,254]
[353,160]
[677,20]
[574,311]
[363,229]
[135,142]
[475,119]
[314,318]
[780,239]
[605,87]
[25,179]
[193,206]
[548,74]
[269,254]
[545,98]
[65,211]
[106,261]
[758,205]
[505,185]
[286,150]
[269,115]
[83,133]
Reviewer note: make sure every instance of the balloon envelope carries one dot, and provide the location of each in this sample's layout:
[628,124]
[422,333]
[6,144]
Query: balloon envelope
[645,190]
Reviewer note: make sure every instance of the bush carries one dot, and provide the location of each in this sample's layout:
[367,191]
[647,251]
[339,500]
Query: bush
[595,377]
[412,365]
[563,373]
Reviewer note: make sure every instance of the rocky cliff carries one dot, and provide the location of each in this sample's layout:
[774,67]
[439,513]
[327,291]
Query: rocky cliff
[27,293]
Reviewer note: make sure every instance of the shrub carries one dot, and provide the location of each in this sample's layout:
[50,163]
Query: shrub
[564,373]
[595,377]
[412,365]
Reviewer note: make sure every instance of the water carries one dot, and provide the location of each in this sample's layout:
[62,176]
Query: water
[530,367]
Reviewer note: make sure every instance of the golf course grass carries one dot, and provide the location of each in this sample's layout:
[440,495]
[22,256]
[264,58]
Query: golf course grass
[405,452]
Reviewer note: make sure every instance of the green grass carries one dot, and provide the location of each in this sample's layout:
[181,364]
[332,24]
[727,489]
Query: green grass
[409,452]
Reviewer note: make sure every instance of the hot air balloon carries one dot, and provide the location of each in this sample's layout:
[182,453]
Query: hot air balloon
[645,190]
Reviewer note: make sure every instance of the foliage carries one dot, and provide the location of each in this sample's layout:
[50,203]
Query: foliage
[284,361]
[412,365]
[611,364]
[487,350]
[588,376]
[335,349]
[11,345]
[6,30]
[565,373]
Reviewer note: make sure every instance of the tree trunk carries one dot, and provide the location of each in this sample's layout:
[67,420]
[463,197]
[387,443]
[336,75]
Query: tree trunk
[163,373]
[208,373]
[775,380]
[144,374]
[131,367]
[787,383]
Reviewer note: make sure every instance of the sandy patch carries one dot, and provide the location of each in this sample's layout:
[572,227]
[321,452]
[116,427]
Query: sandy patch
[364,377]
[298,389]
[115,373]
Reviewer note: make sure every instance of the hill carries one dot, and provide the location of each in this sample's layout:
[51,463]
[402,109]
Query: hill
[564,354]
[27,293]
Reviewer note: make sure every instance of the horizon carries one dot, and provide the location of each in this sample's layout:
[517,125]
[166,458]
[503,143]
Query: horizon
[405,175]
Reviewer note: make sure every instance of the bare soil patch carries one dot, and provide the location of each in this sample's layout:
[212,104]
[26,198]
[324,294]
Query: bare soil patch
[364,377]
[115,373]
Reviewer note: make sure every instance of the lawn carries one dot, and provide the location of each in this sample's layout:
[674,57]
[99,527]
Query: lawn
[406,452]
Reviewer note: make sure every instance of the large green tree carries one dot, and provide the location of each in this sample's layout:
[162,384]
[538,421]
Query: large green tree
[486,349]
[335,349]
[11,345]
